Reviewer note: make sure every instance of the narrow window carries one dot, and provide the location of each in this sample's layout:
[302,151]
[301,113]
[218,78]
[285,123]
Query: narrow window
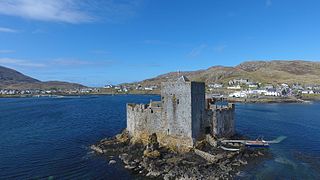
[177,101]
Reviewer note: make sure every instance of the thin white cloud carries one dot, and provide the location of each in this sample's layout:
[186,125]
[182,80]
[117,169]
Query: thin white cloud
[48,10]
[71,62]
[69,11]
[148,65]
[6,51]
[197,50]
[99,51]
[7,30]
[20,62]
[268,3]
[164,43]
[231,14]
[55,63]
[38,31]
[220,48]
[155,42]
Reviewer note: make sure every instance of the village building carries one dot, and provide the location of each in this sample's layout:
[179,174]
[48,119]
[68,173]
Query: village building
[307,92]
[238,87]
[253,85]
[238,81]
[272,92]
[215,85]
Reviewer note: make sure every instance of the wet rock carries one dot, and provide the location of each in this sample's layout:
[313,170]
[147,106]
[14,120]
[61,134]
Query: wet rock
[112,162]
[151,154]
[123,137]
[97,149]
[153,143]
[230,155]
[159,162]
[153,174]
[152,147]
[243,162]
[124,157]
[129,167]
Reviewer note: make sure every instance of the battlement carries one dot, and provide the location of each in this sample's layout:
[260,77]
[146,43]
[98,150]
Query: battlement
[153,105]
[137,107]
[220,120]
[228,107]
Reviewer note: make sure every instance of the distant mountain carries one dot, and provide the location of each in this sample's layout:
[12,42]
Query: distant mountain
[11,79]
[277,71]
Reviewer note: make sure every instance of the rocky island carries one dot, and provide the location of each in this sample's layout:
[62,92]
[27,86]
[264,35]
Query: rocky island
[204,161]
[180,137]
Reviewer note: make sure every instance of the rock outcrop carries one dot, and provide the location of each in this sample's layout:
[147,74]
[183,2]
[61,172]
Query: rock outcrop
[152,160]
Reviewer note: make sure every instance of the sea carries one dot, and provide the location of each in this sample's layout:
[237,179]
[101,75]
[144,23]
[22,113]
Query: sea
[49,137]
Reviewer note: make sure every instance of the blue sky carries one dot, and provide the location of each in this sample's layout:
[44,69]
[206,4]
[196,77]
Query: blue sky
[97,42]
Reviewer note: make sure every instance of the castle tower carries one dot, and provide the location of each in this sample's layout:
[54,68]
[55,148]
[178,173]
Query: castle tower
[183,104]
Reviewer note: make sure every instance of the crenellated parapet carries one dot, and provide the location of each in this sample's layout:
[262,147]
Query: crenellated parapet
[228,107]
[143,118]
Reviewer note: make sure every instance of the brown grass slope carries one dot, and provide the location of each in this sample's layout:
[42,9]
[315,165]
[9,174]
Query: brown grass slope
[277,71]
[10,76]
[11,79]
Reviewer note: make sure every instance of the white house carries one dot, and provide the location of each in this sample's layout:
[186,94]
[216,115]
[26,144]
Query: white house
[307,92]
[238,94]
[216,85]
[261,91]
[253,86]
[272,93]
[234,87]
[148,88]
[108,86]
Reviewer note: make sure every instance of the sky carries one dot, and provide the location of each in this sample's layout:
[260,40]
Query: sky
[98,42]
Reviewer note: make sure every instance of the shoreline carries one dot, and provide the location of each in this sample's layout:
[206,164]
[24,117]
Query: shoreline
[267,100]
[230,100]
[201,162]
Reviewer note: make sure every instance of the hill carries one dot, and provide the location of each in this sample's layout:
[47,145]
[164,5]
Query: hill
[10,76]
[277,71]
[12,79]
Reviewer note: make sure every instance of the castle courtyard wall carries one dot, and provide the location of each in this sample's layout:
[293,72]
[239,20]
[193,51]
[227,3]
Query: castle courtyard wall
[223,120]
[143,119]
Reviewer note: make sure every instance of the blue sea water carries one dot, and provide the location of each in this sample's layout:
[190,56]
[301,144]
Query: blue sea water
[49,138]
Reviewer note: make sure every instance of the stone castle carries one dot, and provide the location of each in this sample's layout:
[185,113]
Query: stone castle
[182,117]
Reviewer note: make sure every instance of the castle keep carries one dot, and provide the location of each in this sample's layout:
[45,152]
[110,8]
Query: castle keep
[182,117]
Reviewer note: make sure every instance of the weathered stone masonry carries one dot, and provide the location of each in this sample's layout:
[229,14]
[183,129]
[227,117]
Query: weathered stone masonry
[182,117]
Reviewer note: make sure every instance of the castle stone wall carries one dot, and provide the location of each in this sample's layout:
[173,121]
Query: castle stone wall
[182,116]
[198,108]
[223,123]
[141,118]
[176,103]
